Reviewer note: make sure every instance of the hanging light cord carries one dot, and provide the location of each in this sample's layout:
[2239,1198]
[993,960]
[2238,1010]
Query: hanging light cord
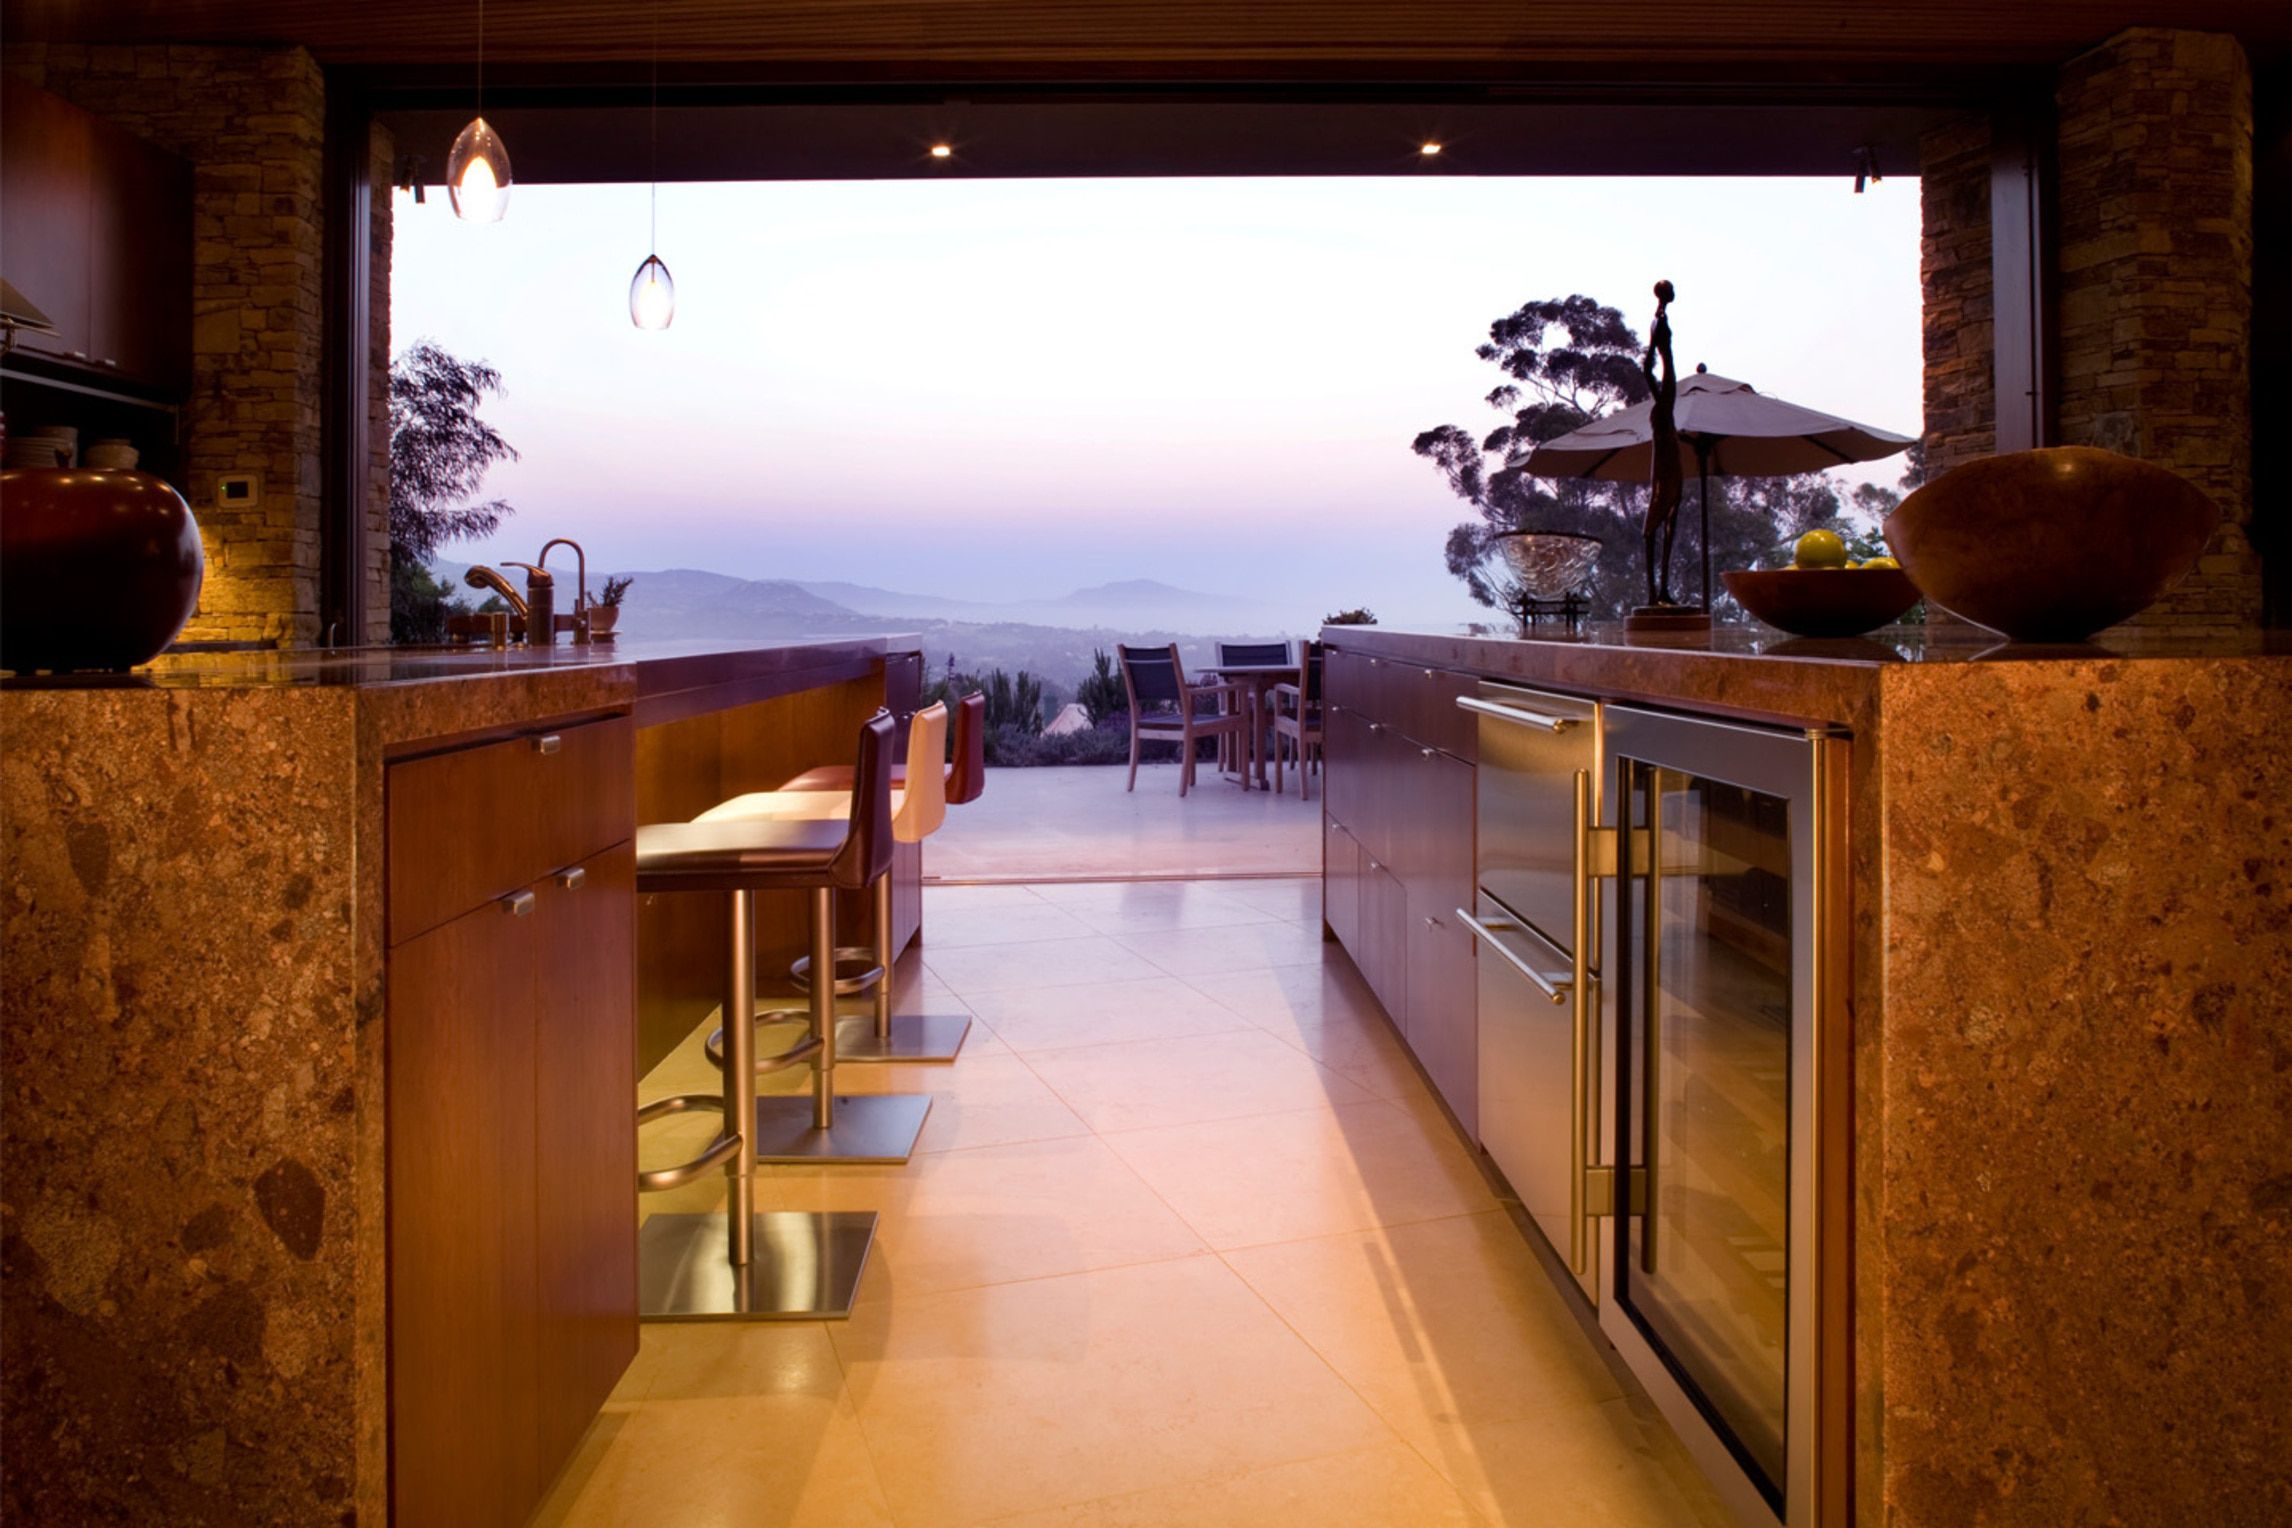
[481,58]
[655,235]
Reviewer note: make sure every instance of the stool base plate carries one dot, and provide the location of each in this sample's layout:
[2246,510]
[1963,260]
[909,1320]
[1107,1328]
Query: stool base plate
[913,1037]
[803,1267]
[869,1127]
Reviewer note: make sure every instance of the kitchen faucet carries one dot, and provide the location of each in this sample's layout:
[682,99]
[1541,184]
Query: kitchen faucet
[482,577]
[580,588]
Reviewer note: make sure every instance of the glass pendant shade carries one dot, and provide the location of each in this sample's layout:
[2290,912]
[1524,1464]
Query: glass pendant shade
[477,174]
[652,295]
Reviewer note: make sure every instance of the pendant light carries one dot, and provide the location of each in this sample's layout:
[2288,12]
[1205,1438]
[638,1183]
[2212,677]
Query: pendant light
[652,291]
[477,171]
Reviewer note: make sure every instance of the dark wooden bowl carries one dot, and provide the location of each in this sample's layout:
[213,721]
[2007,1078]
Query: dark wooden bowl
[2051,545]
[1823,602]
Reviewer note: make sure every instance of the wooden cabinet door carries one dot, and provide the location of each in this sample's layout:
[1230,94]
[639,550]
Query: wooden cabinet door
[1444,1021]
[1345,763]
[1341,887]
[139,263]
[463,1431]
[47,148]
[585,1194]
[1384,940]
[1444,1026]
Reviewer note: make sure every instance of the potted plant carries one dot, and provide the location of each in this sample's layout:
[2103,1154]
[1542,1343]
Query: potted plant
[605,609]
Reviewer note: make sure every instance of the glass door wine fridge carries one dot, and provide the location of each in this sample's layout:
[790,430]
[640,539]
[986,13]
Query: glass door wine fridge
[1724,1284]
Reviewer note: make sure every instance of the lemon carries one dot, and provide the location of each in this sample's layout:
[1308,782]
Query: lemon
[1882,562]
[1819,549]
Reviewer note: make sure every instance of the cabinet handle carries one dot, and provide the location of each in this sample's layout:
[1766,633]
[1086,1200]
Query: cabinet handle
[574,879]
[1431,921]
[108,361]
[77,355]
[1428,673]
[1376,726]
[1427,752]
[548,744]
[518,904]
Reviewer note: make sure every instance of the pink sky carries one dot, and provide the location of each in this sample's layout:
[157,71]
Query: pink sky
[1002,389]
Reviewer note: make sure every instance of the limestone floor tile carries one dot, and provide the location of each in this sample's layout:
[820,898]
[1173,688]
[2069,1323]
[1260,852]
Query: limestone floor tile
[957,1219]
[985,1402]
[1614,1465]
[755,1461]
[1364,1049]
[1299,900]
[1313,991]
[1145,1083]
[1390,1487]
[1142,907]
[1194,953]
[1282,1177]
[1031,1019]
[988,1097]
[975,969]
[1438,1324]
[949,898]
[954,928]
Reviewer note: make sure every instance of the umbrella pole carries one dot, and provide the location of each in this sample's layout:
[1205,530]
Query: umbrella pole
[1703,509]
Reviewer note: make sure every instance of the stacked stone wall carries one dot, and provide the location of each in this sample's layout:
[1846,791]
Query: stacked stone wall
[2154,285]
[1955,280]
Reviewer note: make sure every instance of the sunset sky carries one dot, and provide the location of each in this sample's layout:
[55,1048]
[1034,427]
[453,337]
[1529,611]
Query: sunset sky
[1002,389]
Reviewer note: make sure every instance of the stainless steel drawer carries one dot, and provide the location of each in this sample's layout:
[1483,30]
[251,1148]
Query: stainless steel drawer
[1532,744]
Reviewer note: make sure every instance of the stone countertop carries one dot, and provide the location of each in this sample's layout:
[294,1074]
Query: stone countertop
[1760,674]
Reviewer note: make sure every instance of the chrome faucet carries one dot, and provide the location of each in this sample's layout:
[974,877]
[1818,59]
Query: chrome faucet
[483,577]
[580,587]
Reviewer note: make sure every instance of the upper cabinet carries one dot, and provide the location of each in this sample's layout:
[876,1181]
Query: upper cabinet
[97,235]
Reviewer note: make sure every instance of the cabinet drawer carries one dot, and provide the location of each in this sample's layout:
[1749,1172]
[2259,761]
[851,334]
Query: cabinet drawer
[477,823]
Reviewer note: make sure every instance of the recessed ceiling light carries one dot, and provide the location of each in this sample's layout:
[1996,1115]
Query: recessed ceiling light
[942,151]
[1428,148]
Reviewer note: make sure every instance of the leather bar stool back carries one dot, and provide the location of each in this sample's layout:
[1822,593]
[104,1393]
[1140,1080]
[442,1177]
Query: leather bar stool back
[967,773]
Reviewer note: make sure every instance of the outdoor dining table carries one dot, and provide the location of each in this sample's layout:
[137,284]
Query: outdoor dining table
[1258,678]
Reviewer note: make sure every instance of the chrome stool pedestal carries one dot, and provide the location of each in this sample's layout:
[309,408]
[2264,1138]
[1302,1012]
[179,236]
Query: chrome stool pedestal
[740,1265]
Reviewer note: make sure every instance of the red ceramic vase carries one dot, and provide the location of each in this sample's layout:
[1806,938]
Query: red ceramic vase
[98,570]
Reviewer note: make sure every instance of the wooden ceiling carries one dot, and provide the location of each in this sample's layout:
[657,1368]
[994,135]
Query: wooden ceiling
[1167,39]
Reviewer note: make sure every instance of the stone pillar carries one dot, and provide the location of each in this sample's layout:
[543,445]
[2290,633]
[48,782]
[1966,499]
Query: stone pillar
[252,123]
[375,566]
[2154,284]
[1955,277]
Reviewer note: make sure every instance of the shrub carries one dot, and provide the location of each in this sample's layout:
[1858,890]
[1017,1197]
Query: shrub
[1102,694]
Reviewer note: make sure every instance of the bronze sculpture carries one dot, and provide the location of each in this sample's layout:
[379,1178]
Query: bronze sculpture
[1664,480]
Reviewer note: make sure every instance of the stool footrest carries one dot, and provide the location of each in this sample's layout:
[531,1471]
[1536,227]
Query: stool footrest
[795,1055]
[720,1151]
[679,1103]
[869,972]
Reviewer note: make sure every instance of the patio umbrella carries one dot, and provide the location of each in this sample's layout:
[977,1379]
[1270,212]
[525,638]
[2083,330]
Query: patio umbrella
[1725,426]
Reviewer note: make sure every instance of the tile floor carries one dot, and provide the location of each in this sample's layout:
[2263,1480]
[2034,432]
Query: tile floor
[1187,1241]
[1077,820]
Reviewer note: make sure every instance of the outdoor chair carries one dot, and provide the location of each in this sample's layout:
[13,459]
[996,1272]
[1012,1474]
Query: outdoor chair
[1296,715]
[1154,677]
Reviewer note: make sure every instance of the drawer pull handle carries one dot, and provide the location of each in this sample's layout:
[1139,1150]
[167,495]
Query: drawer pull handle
[1519,714]
[549,743]
[1427,752]
[574,879]
[518,904]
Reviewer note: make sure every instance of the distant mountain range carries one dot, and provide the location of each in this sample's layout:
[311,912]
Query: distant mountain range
[1050,637]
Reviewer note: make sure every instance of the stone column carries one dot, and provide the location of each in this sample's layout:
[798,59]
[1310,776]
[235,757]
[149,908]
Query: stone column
[1955,277]
[2154,284]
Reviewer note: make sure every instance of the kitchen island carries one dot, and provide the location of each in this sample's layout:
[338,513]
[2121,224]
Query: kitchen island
[2061,1203]
[245,892]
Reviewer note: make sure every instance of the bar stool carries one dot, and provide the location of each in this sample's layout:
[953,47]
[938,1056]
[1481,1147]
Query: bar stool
[906,1037]
[697,1267]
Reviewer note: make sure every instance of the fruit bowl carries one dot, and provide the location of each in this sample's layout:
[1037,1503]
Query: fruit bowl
[2051,545]
[1823,602]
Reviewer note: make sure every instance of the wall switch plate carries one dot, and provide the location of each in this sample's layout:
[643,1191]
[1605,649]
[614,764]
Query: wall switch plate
[239,490]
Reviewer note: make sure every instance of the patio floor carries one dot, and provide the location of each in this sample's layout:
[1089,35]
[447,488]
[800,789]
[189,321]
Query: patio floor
[1076,822]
